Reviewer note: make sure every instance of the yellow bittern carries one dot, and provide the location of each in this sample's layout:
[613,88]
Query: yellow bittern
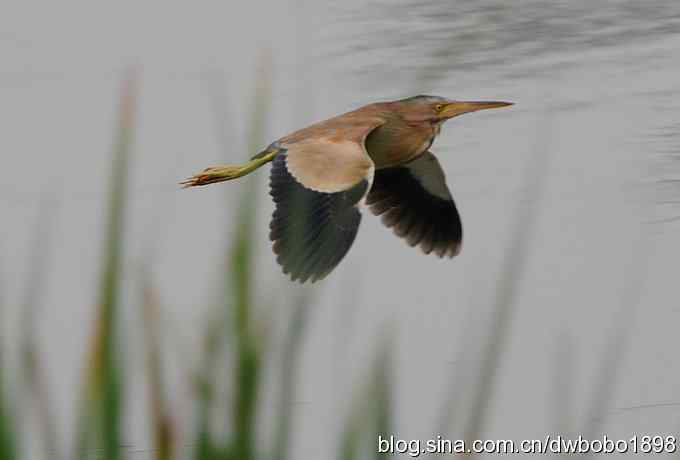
[379,154]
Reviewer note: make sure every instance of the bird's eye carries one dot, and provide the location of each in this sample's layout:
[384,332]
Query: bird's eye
[439,107]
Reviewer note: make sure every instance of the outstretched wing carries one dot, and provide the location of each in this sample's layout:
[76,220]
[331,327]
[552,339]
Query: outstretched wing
[415,202]
[316,183]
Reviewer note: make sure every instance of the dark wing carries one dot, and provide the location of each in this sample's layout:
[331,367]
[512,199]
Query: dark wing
[415,202]
[317,183]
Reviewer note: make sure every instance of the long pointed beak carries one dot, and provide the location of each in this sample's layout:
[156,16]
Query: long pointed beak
[456,108]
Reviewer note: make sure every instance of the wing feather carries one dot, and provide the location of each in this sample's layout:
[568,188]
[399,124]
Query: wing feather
[415,202]
[316,183]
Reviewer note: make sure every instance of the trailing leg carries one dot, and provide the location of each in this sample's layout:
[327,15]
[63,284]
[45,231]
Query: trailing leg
[228,172]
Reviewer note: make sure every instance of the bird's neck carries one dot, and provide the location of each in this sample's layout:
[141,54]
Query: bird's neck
[399,141]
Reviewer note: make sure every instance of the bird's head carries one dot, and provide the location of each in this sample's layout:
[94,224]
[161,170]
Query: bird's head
[437,109]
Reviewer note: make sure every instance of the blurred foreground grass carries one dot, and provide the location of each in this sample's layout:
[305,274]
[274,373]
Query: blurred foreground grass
[236,337]
[7,420]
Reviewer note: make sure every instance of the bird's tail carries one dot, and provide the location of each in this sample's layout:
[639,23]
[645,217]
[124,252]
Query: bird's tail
[216,174]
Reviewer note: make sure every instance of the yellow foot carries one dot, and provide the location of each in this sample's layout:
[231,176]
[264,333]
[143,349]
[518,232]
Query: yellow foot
[222,173]
[214,175]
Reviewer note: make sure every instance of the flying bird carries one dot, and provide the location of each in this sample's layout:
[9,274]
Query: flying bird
[378,155]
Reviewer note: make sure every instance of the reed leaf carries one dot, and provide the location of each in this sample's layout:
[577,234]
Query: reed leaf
[241,256]
[289,365]
[8,435]
[507,292]
[34,379]
[101,417]
[162,427]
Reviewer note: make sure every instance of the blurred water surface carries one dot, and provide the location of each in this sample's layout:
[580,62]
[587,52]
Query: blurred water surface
[596,89]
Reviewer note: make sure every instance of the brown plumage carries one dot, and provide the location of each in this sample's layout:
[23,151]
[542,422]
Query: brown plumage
[379,153]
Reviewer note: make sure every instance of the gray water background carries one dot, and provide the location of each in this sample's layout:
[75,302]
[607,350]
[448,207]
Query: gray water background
[596,85]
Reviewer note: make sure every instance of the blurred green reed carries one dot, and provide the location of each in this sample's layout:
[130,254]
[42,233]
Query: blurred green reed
[7,422]
[237,320]
[101,408]
[371,415]
[8,435]
[248,359]
[35,392]
[162,423]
